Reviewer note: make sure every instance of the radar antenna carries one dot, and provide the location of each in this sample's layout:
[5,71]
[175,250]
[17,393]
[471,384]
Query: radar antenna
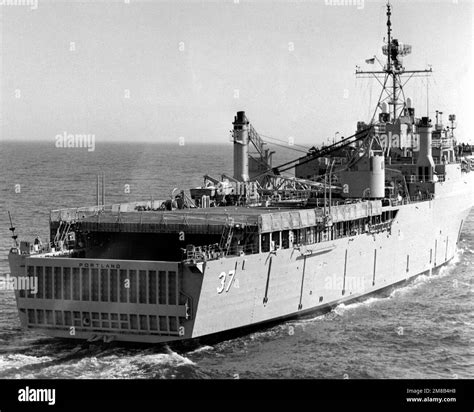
[392,92]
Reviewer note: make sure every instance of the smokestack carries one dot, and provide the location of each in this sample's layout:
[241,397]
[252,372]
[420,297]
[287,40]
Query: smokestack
[425,161]
[241,147]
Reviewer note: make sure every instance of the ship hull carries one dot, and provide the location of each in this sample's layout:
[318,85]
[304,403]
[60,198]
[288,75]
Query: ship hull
[423,237]
[175,301]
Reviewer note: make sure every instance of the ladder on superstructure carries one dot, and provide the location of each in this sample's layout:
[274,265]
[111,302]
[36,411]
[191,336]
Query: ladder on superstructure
[62,232]
[226,238]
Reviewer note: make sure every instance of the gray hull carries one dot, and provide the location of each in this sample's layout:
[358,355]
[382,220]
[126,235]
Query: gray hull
[170,301]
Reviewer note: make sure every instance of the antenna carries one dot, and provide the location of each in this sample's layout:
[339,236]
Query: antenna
[389,36]
[427,99]
[12,229]
[392,92]
[452,119]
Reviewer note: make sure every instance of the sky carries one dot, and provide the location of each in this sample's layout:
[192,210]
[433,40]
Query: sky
[160,71]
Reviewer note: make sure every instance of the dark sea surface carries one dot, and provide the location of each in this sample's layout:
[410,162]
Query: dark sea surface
[422,330]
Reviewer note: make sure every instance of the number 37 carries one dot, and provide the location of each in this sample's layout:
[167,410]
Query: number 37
[222,277]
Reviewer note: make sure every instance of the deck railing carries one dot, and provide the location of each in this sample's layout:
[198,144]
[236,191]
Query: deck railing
[426,178]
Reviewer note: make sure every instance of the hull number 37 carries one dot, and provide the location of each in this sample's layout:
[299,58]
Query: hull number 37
[226,284]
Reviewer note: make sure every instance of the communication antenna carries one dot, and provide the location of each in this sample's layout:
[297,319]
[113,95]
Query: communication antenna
[12,229]
[427,99]
[393,76]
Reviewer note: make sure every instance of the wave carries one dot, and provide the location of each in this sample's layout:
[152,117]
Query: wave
[110,366]
[201,349]
[342,307]
[18,361]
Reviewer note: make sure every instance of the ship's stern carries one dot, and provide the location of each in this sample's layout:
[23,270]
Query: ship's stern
[109,300]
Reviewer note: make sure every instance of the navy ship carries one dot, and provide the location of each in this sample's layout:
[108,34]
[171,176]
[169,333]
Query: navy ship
[366,213]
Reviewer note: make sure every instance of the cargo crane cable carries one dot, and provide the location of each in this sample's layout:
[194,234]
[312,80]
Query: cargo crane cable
[284,141]
[327,150]
[322,152]
[435,88]
[287,146]
[256,139]
[341,144]
[352,162]
[370,96]
[254,132]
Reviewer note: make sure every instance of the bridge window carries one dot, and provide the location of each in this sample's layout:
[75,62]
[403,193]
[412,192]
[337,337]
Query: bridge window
[339,229]
[301,236]
[285,244]
[265,242]
[250,243]
[276,240]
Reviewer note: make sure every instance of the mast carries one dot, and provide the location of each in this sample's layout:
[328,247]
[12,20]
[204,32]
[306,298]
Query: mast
[389,60]
[12,229]
[392,91]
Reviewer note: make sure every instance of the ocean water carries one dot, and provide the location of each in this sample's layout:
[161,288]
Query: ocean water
[422,330]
